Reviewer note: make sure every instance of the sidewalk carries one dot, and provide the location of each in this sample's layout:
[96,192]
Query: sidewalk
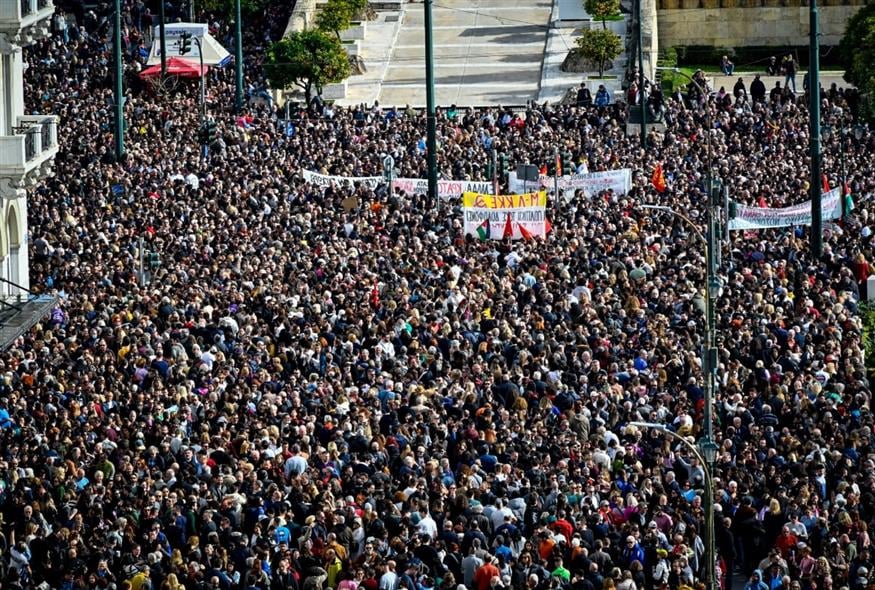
[375,50]
[827,78]
[560,40]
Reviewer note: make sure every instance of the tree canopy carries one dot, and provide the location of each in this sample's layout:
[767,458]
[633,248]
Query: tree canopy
[599,46]
[602,9]
[336,16]
[308,59]
[857,50]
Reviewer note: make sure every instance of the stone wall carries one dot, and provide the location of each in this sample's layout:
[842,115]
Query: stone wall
[303,16]
[689,4]
[766,22]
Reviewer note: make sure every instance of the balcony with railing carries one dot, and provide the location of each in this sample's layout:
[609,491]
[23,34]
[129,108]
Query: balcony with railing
[27,154]
[25,21]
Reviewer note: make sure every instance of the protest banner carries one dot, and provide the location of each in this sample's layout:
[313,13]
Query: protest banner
[525,212]
[591,183]
[754,218]
[447,189]
[325,180]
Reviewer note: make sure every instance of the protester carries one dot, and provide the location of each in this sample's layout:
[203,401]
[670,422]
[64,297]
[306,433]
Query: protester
[331,386]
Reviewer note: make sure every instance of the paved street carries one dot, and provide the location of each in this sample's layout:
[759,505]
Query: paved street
[486,52]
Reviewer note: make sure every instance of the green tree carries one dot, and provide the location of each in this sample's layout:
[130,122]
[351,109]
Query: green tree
[602,9]
[336,16]
[857,50]
[358,8]
[225,8]
[308,59]
[599,46]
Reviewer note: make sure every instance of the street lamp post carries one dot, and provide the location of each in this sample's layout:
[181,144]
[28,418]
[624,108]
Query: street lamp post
[430,113]
[200,50]
[706,453]
[118,81]
[238,58]
[714,189]
[162,39]
[641,93]
[713,286]
[815,153]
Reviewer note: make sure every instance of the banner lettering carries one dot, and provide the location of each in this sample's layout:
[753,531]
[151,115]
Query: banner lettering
[525,210]
[753,218]
[447,189]
[620,181]
[350,181]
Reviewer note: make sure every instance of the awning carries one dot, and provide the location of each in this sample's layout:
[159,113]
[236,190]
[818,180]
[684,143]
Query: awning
[176,66]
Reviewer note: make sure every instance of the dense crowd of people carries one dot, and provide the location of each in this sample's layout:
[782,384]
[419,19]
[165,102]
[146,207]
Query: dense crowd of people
[333,387]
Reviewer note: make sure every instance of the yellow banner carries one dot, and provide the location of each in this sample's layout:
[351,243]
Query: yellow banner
[481,201]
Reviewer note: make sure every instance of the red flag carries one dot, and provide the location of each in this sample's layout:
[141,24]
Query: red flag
[547,226]
[558,165]
[825,183]
[543,170]
[508,228]
[658,179]
[375,296]
[527,235]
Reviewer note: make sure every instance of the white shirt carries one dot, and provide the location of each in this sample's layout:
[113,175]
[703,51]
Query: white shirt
[428,526]
[295,465]
[497,516]
[389,581]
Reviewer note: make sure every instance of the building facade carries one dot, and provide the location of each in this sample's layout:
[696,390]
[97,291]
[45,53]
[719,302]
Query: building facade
[746,23]
[28,141]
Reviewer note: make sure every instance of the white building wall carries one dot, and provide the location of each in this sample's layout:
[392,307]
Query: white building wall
[18,27]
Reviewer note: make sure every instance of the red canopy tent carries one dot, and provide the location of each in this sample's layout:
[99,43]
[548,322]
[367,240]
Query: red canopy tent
[176,66]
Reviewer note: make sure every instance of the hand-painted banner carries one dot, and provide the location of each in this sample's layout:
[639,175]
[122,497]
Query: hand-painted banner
[447,189]
[591,183]
[326,180]
[752,218]
[525,213]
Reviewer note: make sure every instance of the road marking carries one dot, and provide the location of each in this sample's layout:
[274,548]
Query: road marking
[543,8]
[519,87]
[516,25]
[500,65]
[478,45]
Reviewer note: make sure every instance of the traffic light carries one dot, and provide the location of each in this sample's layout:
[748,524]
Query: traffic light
[154,260]
[505,164]
[208,133]
[733,210]
[568,166]
[211,131]
[715,192]
[184,43]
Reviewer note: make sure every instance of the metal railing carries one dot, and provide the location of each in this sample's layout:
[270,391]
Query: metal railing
[31,143]
[12,10]
[48,131]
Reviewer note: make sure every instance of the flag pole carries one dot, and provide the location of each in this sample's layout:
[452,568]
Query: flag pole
[556,178]
[816,244]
